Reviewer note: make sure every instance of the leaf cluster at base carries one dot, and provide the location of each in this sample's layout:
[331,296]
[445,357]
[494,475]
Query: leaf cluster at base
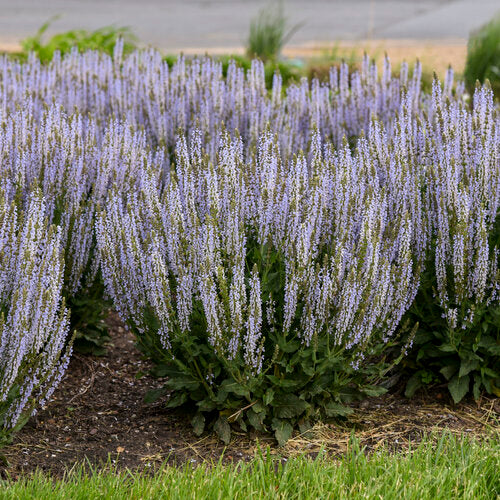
[302,385]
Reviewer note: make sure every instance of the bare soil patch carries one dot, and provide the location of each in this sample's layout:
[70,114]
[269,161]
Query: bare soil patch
[98,417]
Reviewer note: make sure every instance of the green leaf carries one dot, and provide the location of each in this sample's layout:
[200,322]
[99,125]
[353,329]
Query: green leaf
[288,406]
[489,372]
[256,420]
[223,429]
[334,409]
[447,348]
[476,388]
[288,347]
[374,390]
[282,430]
[154,394]
[243,424]
[331,364]
[206,405]
[414,383]
[458,387]
[182,382]
[198,423]
[283,383]
[231,386]
[468,365]
[422,337]
[490,344]
[160,371]
[448,371]
[259,407]
[178,399]
[221,395]
[305,427]
[268,397]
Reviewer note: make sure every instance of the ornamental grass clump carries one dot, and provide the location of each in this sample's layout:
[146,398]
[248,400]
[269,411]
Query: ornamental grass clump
[458,306]
[34,323]
[264,289]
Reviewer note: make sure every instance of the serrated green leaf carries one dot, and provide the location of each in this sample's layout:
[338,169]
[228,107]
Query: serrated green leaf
[448,371]
[490,344]
[282,430]
[489,372]
[288,406]
[231,386]
[330,364]
[154,394]
[242,424]
[305,427]
[206,405]
[160,371]
[268,397]
[259,407]
[178,399]
[447,348]
[476,388]
[198,423]
[256,420]
[422,337]
[288,347]
[308,369]
[183,382]
[414,383]
[223,429]
[458,387]
[283,383]
[221,395]
[468,365]
[334,409]
[374,390]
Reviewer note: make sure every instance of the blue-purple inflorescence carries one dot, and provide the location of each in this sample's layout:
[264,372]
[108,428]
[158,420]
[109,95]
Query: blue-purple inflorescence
[34,349]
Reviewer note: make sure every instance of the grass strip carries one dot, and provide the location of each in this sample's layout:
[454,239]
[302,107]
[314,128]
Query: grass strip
[439,468]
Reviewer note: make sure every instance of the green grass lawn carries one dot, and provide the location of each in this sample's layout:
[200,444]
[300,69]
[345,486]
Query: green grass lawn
[439,468]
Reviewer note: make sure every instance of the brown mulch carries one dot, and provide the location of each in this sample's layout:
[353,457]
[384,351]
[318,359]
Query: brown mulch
[98,417]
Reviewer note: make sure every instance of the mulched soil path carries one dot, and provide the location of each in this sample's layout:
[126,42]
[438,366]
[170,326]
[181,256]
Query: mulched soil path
[98,417]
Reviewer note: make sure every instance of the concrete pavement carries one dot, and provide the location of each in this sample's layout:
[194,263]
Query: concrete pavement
[206,24]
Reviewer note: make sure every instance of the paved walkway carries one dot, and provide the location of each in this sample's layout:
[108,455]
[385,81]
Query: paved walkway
[207,24]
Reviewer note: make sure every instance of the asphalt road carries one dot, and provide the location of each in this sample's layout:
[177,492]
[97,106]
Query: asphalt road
[182,24]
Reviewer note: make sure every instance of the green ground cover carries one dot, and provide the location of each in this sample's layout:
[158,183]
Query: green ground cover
[442,467]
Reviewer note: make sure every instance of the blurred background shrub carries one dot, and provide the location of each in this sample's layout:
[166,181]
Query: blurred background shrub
[483,57]
[103,39]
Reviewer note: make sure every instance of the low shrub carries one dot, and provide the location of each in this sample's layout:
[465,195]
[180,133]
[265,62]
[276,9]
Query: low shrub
[483,57]
[103,39]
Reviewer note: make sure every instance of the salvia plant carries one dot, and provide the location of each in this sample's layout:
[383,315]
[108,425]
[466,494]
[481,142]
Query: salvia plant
[34,347]
[264,287]
[458,307]
[275,252]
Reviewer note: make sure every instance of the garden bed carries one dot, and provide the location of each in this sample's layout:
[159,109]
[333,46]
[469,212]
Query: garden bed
[98,414]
